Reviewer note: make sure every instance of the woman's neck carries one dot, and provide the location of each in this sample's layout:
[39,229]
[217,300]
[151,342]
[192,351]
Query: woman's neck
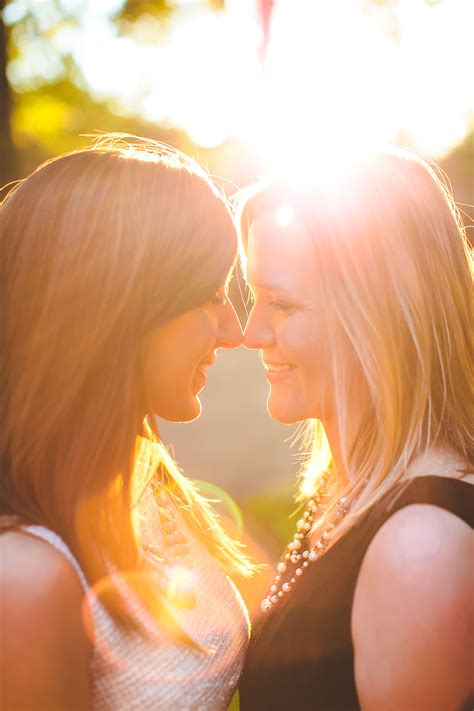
[338,450]
[439,461]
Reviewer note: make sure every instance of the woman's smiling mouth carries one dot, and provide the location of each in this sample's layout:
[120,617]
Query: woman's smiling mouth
[278,371]
[201,369]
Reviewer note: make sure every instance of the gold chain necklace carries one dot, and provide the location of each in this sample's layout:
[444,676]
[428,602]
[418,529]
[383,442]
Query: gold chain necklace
[298,554]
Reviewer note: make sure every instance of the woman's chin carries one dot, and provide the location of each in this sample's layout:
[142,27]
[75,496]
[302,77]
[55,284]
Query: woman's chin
[192,410]
[196,412]
[282,411]
[185,411]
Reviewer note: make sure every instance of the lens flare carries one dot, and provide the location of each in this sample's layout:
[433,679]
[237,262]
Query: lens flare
[284,215]
[229,509]
[206,635]
[180,587]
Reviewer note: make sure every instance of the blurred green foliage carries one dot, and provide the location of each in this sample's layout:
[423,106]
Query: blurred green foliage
[234,704]
[45,104]
[272,513]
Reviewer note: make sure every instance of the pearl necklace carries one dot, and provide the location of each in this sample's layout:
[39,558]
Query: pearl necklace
[173,554]
[298,554]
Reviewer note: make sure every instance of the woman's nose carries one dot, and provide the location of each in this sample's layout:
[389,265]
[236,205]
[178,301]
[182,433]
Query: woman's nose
[257,334]
[230,332]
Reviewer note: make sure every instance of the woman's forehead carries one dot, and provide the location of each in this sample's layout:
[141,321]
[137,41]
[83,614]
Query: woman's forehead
[279,255]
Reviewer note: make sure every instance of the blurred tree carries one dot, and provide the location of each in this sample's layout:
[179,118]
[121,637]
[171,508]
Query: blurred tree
[133,11]
[7,148]
[57,117]
[44,100]
[29,61]
[265,8]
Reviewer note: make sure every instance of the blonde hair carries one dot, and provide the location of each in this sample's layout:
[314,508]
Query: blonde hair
[395,273]
[97,247]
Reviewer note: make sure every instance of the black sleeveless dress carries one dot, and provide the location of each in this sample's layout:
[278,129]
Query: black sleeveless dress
[301,655]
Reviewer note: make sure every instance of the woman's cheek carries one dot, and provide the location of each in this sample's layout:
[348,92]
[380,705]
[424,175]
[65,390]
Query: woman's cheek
[292,337]
[207,325]
[306,341]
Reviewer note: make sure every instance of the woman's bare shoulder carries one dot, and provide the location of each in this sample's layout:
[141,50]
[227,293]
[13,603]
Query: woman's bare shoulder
[26,558]
[46,652]
[412,616]
[38,583]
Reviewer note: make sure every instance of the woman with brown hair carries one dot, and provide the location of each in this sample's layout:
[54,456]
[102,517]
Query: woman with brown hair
[362,311]
[115,262]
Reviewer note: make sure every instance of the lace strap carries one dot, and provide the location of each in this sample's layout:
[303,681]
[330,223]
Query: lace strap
[54,540]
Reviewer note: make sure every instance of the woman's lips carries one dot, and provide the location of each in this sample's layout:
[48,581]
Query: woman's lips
[201,371]
[279,371]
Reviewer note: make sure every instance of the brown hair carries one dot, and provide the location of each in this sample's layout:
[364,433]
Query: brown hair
[97,247]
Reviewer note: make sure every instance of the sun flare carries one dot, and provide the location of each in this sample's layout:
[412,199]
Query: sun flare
[339,77]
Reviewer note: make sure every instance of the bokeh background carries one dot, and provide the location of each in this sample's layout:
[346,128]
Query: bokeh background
[245,87]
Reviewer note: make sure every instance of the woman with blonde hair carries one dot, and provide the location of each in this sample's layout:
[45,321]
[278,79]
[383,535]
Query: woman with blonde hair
[116,594]
[362,311]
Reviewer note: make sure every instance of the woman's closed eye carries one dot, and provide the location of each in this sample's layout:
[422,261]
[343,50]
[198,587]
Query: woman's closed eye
[282,306]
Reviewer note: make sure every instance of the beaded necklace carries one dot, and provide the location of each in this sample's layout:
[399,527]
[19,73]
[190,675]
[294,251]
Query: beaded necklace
[299,554]
[172,554]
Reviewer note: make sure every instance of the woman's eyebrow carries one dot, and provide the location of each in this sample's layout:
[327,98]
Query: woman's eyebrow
[268,285]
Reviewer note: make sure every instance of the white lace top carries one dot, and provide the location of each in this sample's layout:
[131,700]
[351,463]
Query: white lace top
[129,672]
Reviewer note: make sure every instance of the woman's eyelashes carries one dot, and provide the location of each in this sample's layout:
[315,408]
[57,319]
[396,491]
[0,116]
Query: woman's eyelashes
[282,306]
[272,302]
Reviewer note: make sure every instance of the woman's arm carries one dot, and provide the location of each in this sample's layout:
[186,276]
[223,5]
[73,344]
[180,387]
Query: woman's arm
[412,618]
[45,654]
